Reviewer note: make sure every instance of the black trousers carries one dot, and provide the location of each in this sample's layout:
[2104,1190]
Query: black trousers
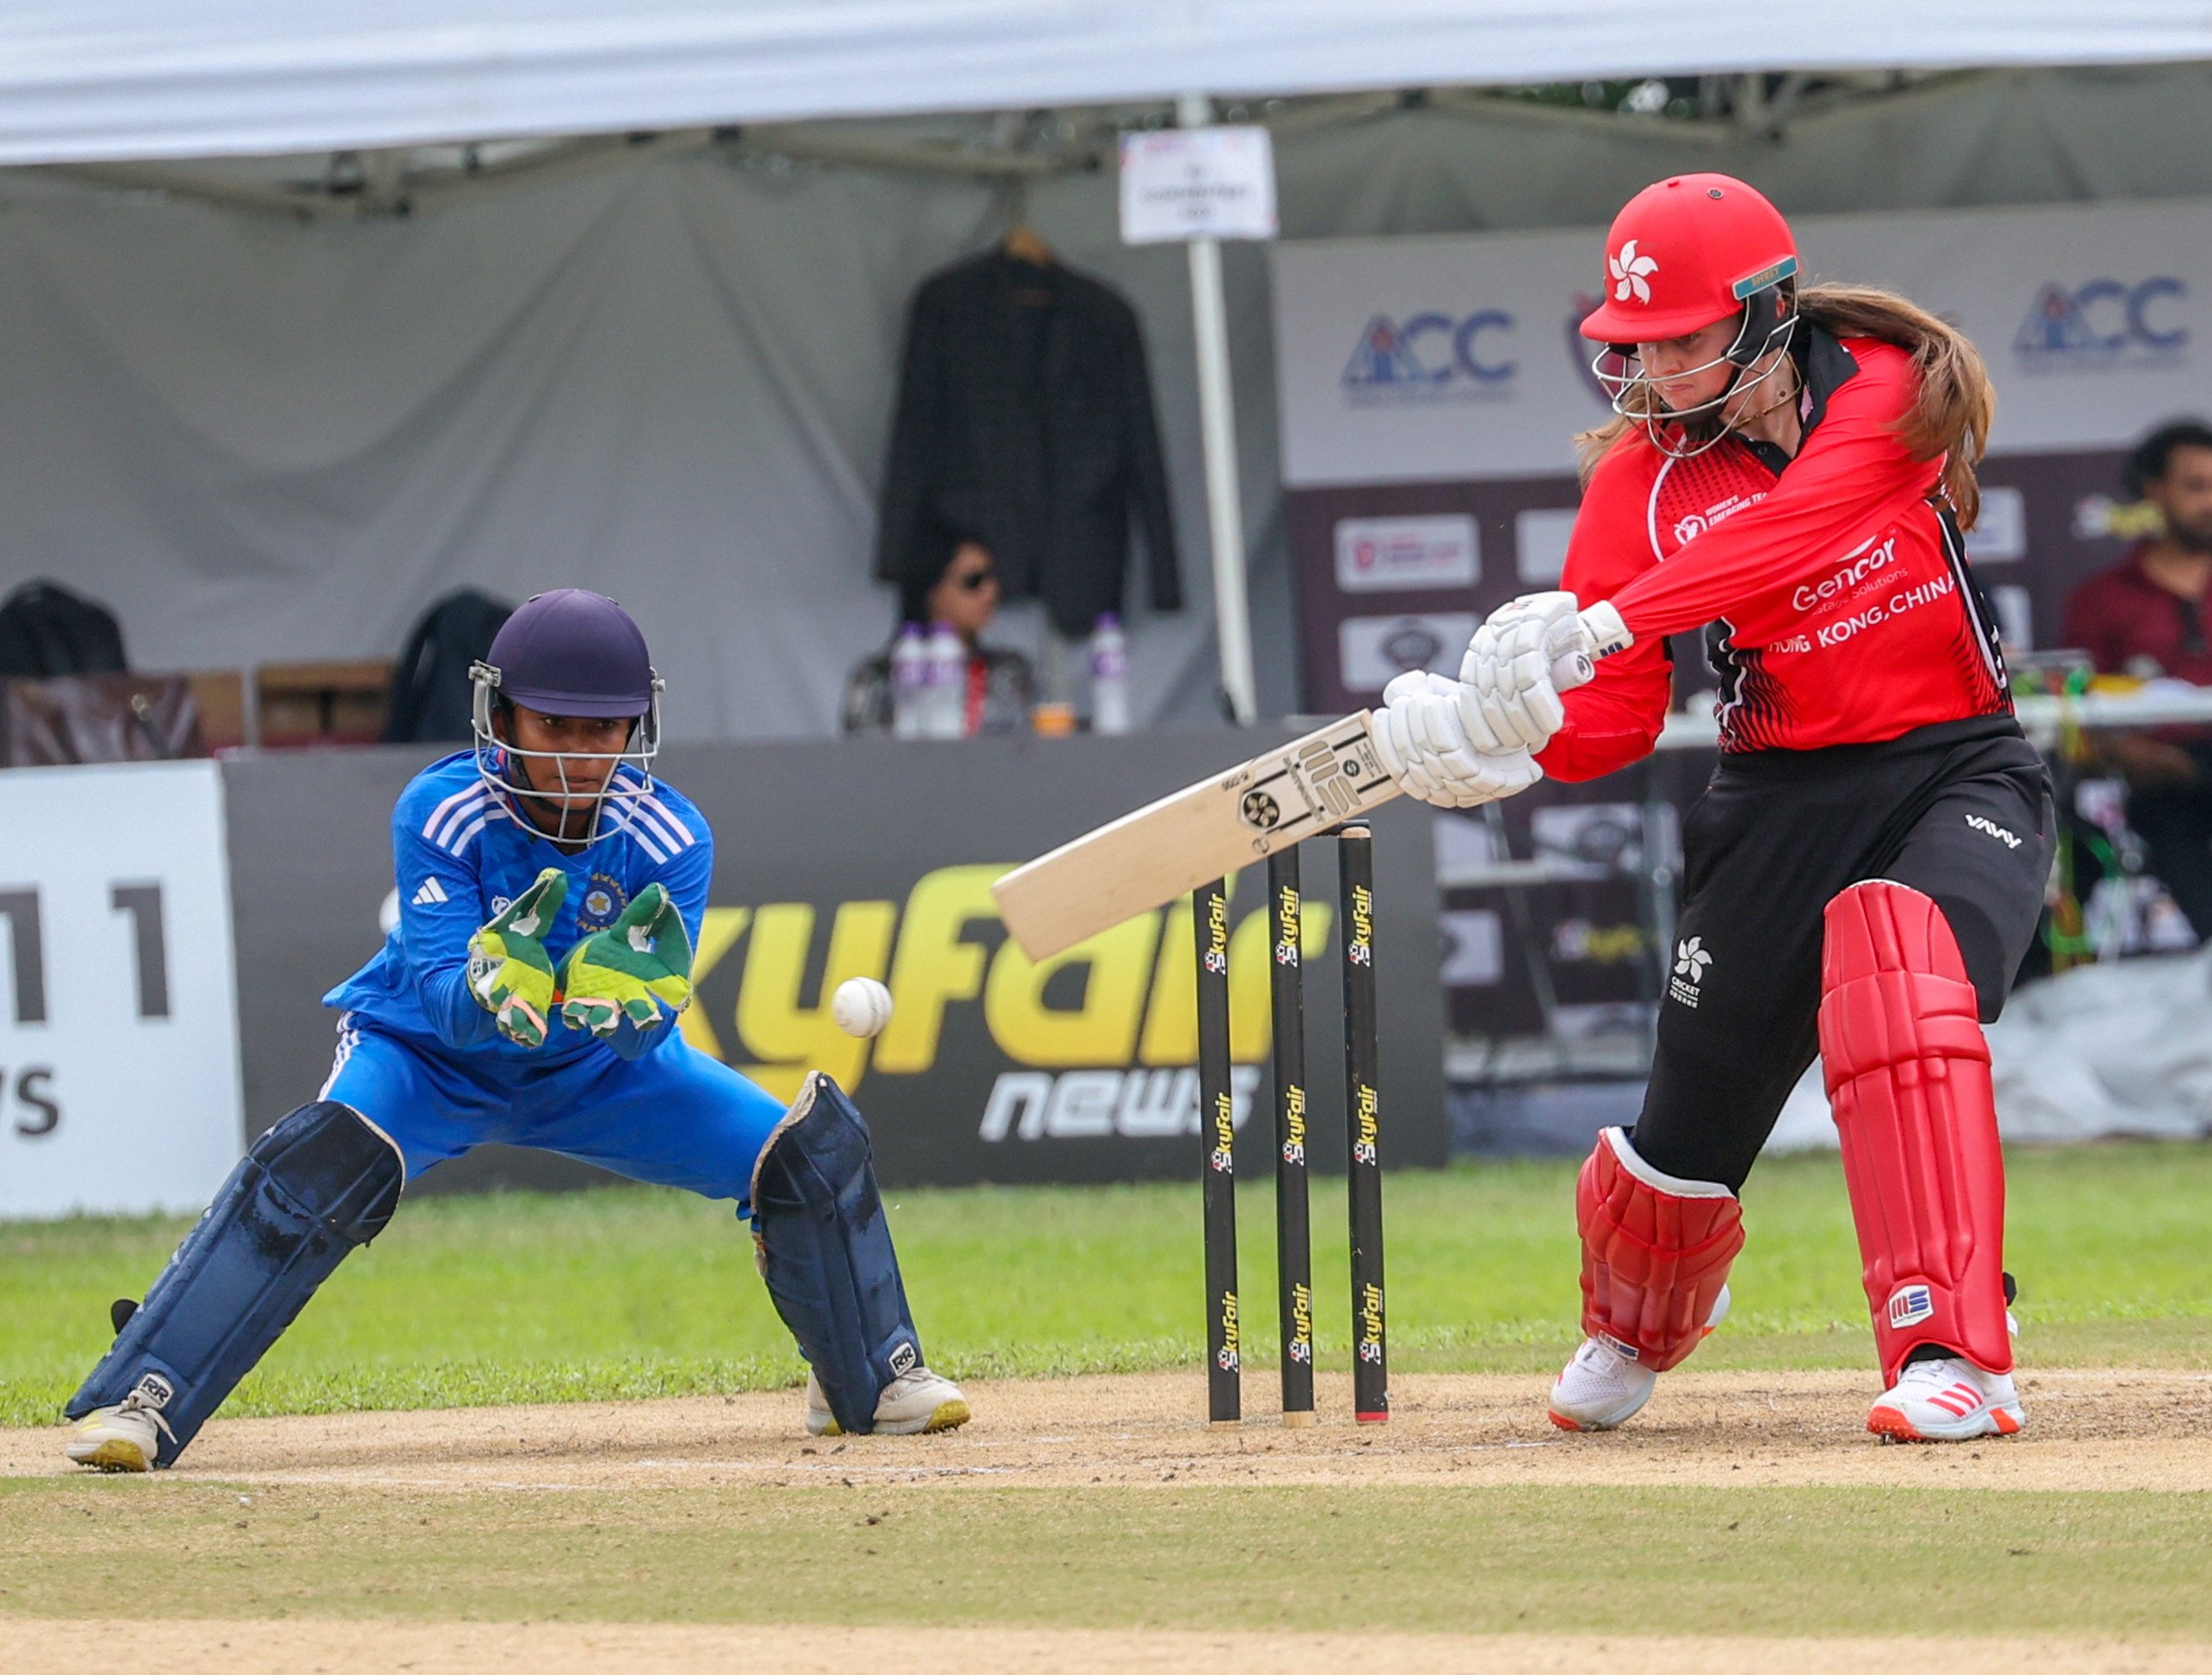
[1960,812]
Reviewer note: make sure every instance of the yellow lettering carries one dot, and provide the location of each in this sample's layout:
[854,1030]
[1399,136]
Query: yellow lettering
[718,930]
[790,1038]
[934,965]
[1171,1021]
[1103,1029]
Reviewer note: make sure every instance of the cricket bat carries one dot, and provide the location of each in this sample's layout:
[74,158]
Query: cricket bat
[1194,835]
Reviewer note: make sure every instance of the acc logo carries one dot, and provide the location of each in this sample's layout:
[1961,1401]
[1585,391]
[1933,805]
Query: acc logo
[1909,1305]
[2107,322]
[603,901]
[1430,357]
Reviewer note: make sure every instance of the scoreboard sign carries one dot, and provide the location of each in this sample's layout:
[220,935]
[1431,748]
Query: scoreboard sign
[119,1060]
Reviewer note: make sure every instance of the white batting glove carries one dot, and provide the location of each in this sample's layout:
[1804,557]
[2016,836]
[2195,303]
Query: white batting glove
[1424,744]
[1530,650]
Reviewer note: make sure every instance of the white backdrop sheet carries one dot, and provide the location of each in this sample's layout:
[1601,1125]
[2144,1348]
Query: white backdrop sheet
[265,440]
[82,79]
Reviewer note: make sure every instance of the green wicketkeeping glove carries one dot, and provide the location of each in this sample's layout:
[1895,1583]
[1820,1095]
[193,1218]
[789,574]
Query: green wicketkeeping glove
[509,972]
[630,968]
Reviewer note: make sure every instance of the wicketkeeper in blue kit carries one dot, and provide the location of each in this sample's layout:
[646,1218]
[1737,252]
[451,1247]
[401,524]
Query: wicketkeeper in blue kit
[551,891]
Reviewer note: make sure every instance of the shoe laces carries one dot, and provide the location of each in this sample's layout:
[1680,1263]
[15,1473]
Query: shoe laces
[1938,1375]
[136,1402]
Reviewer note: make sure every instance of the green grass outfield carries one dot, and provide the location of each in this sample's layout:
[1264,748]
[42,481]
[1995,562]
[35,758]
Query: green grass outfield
[629,1292]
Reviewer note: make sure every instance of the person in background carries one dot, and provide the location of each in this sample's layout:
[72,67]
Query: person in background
[2145,617]
[962,590]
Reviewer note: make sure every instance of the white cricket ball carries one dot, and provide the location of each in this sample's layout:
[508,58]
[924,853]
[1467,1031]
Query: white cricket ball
[862,1006]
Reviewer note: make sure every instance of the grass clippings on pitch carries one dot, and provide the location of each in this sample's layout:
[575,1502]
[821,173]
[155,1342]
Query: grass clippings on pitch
[624,1293]
[1757,1561]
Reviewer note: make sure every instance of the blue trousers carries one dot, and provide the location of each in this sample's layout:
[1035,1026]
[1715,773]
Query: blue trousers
[674,1116]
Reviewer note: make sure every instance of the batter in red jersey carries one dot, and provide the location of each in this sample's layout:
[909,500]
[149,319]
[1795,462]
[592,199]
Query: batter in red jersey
[1790,470]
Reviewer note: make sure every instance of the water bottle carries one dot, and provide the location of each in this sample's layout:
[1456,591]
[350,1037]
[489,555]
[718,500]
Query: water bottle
[909,683]
[1109,676]
[948,682]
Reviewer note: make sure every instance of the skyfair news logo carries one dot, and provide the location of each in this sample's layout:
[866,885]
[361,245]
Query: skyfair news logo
[1100,1041]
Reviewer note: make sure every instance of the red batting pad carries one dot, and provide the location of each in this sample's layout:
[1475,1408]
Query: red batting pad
[1655,1253]
[1909,1079]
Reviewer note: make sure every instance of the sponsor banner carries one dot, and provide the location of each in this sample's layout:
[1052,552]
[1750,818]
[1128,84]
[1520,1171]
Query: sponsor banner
[119,1055]
[875,858]
[1392,555]
[1433,360]
[1422,379]
[1374,651]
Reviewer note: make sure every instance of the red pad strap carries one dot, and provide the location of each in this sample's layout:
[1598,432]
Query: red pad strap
[1656,1252]
[1907,1073]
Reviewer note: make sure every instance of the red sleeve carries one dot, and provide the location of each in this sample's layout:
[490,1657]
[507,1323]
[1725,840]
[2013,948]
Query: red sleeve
[1615,720]
[1851,478]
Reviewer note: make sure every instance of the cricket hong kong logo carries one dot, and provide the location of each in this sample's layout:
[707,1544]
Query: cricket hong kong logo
[1366,1131]
[1360,949]
[1302,1324]
[1371,1324]
[1631,273]
[1224,1156]
[1691,959]
[1293,1124]
[1227,1355]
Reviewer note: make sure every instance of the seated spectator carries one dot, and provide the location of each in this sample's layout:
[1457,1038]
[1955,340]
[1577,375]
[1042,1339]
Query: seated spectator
[2145,617]
[962,590]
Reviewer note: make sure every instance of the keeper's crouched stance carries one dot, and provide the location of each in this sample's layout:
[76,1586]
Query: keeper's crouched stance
[550,892]
[1791,469]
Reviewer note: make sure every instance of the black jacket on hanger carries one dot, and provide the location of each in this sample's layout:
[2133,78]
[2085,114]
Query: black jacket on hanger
[1025,422]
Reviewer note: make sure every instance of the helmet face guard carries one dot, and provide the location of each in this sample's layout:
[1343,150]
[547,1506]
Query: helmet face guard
[1682,433]
[511,771]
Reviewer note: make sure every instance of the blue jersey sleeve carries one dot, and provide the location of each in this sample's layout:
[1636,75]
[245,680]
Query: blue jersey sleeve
[441,907]
[687,876]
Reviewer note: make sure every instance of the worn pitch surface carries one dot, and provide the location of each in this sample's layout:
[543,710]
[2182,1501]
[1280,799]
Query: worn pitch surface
[442,1540]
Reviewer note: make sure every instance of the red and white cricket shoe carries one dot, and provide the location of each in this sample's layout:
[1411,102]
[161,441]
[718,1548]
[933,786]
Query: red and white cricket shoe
[1949,1400]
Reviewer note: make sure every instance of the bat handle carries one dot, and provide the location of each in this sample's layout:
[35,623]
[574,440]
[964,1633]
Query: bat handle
[1570,670]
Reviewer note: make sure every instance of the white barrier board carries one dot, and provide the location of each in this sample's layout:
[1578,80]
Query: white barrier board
[119,1060]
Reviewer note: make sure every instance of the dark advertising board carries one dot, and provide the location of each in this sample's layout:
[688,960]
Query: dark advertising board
[875,858]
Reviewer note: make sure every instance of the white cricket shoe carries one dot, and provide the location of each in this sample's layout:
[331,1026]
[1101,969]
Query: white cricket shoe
[1600,1389]
[912,1402]
[124,1437]
[1948,1400]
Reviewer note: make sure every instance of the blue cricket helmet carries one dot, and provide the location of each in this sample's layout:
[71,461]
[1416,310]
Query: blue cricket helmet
[571,652]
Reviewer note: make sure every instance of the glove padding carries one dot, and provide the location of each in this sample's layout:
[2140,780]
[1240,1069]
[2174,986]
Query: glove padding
[1422,740]
[1530,650]
[630,969]
[509,972]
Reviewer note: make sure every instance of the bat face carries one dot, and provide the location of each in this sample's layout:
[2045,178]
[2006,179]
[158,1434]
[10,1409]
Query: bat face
[1146,859]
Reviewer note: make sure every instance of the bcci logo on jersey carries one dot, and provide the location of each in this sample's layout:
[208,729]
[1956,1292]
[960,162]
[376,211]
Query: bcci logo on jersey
[2103,325]
[1430,357]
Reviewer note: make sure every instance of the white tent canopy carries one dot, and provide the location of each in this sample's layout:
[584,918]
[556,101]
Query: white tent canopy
[91,80]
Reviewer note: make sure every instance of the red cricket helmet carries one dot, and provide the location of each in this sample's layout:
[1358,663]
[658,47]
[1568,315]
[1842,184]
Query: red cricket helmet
[1687,252]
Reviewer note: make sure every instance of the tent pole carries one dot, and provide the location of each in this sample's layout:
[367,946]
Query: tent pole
[1218,426]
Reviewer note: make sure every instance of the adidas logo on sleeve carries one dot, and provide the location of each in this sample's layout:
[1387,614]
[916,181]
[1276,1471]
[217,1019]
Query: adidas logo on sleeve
[431,891]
